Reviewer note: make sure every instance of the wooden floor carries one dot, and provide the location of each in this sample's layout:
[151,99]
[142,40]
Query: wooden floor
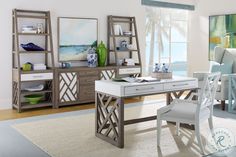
[13,114]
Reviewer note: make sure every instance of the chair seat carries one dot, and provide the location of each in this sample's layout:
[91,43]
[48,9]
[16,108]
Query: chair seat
[184,112]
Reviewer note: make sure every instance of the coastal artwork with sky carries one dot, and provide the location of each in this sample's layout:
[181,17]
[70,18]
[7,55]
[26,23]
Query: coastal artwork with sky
[76,37]
[222,32]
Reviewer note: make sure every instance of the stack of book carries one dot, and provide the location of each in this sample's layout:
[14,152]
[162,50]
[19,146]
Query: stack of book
[28,29]
[135,79]
[39,67]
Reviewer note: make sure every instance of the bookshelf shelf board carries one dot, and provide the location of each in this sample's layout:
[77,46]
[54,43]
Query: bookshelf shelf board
[24,92]
[33,52]
[26,105]
[32,16]
[32,34]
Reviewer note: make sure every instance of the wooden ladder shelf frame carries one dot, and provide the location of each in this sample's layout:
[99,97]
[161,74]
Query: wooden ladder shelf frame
[16,55]
[111,35]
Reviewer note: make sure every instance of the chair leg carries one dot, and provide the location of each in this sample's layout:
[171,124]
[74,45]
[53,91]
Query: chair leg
[210,121]
[223,105]
[159,121]
[199,139]
[177,128]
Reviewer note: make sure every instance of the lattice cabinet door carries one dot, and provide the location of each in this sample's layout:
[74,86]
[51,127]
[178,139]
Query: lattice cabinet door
[68,87]
[107,74]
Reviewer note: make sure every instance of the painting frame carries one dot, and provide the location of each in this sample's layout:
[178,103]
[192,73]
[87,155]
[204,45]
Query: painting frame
[72,56]
[226,41]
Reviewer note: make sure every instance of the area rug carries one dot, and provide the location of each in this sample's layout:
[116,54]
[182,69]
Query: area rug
[74,136]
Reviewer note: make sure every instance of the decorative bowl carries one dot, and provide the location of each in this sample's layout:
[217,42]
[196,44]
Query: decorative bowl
[127,33]
[35,88]
[31,47]
[33,99]
[130,46]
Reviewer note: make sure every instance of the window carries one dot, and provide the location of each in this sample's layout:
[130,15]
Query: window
[166,39]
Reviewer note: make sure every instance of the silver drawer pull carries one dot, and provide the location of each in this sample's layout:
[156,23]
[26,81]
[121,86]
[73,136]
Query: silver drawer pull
[39,76]
[130,70]
[145,89]
[176,85]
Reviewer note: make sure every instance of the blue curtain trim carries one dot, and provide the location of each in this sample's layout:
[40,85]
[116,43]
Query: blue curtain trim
[167,5]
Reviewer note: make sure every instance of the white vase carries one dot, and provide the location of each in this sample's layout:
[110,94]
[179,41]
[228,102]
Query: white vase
[92,60]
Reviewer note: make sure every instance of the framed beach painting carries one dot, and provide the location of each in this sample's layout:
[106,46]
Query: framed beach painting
[76,37]
[222,32]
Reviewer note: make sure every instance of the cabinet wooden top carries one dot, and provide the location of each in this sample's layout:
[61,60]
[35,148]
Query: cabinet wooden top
[93,69]
[84,68]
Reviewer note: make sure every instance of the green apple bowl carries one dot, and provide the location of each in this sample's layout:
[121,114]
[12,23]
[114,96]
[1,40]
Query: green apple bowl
[33,99]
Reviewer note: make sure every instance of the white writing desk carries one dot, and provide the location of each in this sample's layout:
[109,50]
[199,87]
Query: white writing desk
[109,101]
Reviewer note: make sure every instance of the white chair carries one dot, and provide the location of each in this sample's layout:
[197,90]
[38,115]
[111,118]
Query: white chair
[191,111]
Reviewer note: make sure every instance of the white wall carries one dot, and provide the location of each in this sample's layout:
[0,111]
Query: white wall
[199,31]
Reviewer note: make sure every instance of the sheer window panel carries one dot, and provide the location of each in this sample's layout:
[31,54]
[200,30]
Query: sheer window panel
[178,14]
[165,17]
[165,43]
[179,59]
[179,31]
[151,56]
[166,38]
[165,60]
[178,52]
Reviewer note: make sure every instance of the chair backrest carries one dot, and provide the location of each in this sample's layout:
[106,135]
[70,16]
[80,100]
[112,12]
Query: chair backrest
[218,54]
[230,56]
[232,94]
[225,55]
[208,91]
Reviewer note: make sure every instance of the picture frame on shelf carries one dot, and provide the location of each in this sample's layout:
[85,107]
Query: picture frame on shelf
[75,37]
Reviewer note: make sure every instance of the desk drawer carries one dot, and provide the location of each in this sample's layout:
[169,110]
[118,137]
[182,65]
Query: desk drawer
[88,73]
[88,80]
[143,89]
[87,92]
[36,76]
[180,85]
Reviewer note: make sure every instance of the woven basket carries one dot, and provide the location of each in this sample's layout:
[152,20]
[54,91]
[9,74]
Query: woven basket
[162,75]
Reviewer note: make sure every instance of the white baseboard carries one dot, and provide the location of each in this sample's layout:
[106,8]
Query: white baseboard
[5,104]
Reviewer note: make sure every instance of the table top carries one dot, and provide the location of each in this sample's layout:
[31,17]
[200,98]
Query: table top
[123,89]
[123,83]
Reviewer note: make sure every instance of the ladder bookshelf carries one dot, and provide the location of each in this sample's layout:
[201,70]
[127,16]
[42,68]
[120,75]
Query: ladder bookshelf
[23,78]
[114,39]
